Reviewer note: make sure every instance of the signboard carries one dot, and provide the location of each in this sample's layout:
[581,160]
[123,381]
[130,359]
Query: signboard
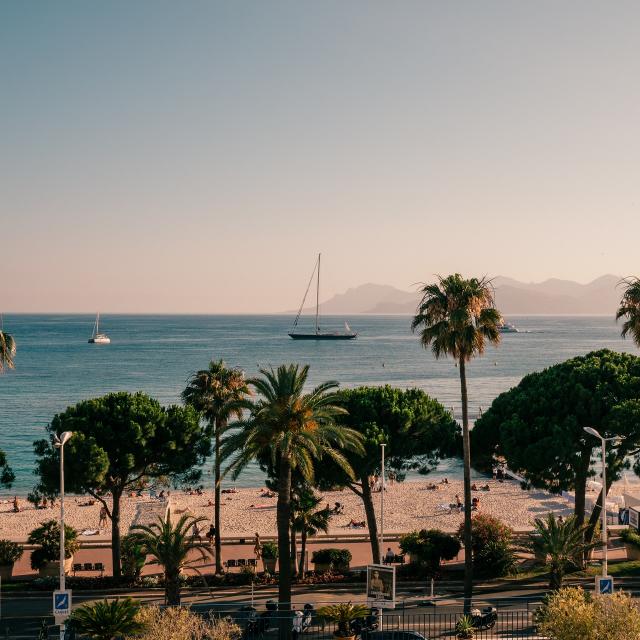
[604,585]
[62,604]
[381,586]
[634,521]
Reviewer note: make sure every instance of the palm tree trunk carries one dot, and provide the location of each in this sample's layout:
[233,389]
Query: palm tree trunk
[303,550]
[283,516]
[372,525]
[172,589]
[216,507]
[294,566]
[115,532]
[466,447]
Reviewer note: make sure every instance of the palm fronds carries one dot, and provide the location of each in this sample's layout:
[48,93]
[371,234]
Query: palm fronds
[7,351]
[630,309]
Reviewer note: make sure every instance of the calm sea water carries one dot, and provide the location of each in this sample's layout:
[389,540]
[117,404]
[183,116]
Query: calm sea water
[56,367]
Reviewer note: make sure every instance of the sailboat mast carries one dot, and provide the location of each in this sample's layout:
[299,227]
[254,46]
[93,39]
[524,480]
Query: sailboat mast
[318,294]
[98,323]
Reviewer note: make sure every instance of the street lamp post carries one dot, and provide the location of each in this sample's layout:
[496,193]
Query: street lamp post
[604,441]
[58,443]
[382,446]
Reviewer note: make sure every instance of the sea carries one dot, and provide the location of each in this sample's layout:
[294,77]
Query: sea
[57,367]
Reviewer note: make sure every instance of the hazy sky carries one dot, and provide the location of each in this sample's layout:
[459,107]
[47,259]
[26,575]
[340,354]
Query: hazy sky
[195,156]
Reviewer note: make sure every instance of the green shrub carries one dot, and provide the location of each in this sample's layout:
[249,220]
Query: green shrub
[10,552]
[491,546]
[47,536]
[132,556]
[429,547]
[269,550]
[333,557]
[630,537]
[106,619]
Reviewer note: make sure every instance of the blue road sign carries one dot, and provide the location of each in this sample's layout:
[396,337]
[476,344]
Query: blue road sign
[604,585]
[62,603]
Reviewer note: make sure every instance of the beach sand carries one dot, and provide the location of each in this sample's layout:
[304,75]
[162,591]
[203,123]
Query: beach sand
[407,506]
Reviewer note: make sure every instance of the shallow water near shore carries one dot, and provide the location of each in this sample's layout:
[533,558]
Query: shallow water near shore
[56,367]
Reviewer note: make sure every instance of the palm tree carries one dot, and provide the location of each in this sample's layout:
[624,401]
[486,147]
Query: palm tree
[218,394]
[7,350]
[293,428]
[306,521]
[630,309]
[104,620]
[170,546]
[562,543]
[456,318]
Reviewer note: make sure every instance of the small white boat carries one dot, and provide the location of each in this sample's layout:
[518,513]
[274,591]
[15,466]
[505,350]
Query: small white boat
[96,336]
[505,327]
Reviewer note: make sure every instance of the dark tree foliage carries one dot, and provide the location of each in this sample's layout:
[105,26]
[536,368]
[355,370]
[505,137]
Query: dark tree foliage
[416,429]
[7,476]
[429,547]
[538,426]
[120,440]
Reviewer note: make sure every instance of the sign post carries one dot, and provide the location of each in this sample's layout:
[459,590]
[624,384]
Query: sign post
[61,605]
[604,585]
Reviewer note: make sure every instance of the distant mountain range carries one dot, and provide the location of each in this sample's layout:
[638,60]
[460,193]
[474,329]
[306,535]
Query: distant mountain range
[551,297]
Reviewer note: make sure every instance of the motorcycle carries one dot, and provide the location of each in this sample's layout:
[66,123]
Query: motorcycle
[360,627]
[484,619]
[302,620]
[258,625]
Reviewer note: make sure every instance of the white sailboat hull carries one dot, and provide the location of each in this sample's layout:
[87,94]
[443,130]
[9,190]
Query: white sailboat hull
[100,339]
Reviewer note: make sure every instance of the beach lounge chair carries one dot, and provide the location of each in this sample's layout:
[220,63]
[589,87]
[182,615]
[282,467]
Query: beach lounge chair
[87,566]
[242,562]
[77,567]
[99,566]
[253,562]
[443,508]
[231,563]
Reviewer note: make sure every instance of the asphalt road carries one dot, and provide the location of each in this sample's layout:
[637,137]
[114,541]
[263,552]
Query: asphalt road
[22,614]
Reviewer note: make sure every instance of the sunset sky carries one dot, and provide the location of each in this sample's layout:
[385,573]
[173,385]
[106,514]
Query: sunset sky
[194,156]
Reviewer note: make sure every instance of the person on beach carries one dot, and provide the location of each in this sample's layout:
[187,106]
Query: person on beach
[389,556]
[211,534]
[257,547]
[16,506]
[195,532]
[103,517]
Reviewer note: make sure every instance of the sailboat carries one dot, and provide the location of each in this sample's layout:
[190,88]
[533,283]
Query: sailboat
[347,334]
[96,336]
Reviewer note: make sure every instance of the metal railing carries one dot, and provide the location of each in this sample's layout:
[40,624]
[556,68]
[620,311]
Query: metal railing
[517,624]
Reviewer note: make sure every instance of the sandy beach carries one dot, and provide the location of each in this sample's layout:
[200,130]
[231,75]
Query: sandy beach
[408,506]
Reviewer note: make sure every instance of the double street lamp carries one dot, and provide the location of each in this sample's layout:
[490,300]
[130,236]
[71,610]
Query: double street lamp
[616,440]
[58,442]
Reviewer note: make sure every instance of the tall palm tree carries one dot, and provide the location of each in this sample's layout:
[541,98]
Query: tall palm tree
[630,309]
[105,620]
[295,429]
[218,393]
[7,349]
[307,520]
[170,547]
[456,318]
[561,543]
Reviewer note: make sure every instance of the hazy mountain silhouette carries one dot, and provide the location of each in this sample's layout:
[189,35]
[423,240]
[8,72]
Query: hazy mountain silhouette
[550,297]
